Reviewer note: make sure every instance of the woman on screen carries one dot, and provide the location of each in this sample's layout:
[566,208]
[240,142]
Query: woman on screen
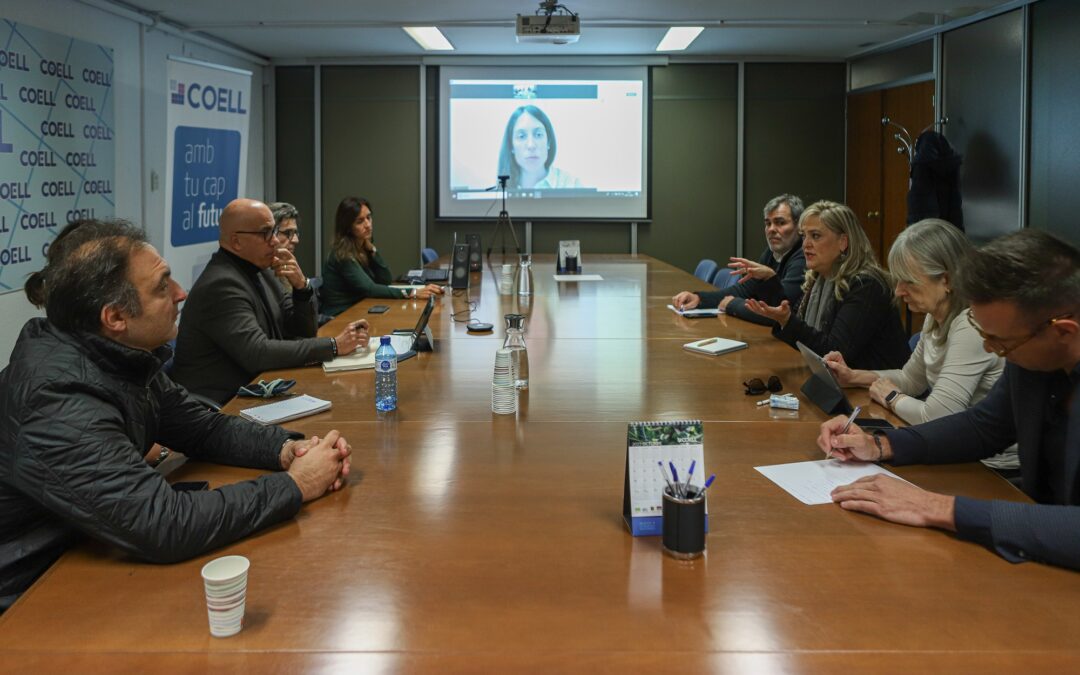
[528,150]
[847,304]
[355,270]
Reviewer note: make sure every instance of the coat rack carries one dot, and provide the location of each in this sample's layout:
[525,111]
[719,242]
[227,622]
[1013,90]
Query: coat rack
[903,137]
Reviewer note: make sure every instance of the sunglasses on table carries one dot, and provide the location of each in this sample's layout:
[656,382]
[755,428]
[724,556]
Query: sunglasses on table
[756,386]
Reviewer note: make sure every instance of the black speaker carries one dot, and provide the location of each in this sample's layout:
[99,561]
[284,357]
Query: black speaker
[459,267]
[473,240]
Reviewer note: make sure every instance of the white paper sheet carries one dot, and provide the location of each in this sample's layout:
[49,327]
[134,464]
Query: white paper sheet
[578,277]
[812,482]
[696,312]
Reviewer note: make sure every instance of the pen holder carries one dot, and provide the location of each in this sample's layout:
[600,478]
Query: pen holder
[684,524]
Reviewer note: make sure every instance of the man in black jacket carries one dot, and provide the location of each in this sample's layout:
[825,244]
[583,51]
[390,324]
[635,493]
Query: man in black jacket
[1024,291]
[239,322]
[777,274]
[83,399]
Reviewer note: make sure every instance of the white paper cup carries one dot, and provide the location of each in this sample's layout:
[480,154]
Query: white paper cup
[225,586]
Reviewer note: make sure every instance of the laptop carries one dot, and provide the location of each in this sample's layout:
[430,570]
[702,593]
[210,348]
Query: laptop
[404,340]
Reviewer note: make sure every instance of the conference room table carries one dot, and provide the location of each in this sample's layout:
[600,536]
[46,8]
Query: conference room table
[466,541]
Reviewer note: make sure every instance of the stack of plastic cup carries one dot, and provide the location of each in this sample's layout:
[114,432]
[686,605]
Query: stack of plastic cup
[504,395]
[225,582]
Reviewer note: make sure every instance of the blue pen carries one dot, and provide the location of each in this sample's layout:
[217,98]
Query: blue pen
[675,477]
[689,476]
[707,484]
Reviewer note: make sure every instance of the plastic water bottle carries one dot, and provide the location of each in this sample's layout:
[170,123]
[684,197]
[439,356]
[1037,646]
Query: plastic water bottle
[385,376]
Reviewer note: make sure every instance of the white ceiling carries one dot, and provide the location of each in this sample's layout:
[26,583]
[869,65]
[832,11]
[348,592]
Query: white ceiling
[798,29]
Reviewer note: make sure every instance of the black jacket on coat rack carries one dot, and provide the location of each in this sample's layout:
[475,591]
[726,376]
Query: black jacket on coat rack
[935,181]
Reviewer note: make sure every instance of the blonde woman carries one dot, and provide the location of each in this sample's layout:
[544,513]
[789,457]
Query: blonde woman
[847,298]
[949,360]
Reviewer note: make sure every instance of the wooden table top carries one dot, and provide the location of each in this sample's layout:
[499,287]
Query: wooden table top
[468,541]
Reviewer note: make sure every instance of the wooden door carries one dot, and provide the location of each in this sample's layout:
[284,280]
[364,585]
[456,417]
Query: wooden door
[911,106]
[864,174]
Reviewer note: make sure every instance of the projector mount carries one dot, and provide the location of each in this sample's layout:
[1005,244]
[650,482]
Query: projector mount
[550,8]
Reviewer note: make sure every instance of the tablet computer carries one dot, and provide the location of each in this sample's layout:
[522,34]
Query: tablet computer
[822,387]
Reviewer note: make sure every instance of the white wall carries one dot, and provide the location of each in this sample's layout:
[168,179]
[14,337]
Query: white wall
[139,85]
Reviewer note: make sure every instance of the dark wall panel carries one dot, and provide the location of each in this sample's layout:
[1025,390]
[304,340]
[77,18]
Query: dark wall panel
[371,148]
[983,99]
[694,157]
[794,130]
[294,112]
[899,64]
[1055,117]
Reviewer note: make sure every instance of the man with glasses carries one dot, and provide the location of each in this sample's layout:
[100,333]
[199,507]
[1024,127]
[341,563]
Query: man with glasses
[1024,290]
[286,220]
[238,321]
[776,275]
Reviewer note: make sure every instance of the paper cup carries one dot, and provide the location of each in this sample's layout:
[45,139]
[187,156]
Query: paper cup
[225,586]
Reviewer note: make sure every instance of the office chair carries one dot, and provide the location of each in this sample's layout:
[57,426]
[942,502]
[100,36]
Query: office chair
[706,269]
[723,278]
[429,255]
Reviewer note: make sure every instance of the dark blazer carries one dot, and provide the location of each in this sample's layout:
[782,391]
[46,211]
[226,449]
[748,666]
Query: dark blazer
[864,327]
[1013,412]
[787,284]
[226,336]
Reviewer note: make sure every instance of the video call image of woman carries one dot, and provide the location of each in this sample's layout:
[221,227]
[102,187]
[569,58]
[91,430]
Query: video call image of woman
[528,151]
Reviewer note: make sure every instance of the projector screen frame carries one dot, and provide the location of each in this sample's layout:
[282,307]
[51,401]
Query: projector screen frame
[441,131]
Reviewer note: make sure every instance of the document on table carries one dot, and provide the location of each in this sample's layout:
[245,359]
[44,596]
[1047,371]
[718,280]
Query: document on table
[578,277]
[812,482]
[691,313]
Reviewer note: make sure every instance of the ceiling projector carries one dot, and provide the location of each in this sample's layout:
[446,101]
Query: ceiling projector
[549,29]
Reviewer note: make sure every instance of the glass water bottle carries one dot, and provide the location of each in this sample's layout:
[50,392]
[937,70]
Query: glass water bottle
[525,276]
[519,356]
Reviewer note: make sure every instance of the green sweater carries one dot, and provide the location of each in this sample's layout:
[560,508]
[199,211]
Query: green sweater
[347,282]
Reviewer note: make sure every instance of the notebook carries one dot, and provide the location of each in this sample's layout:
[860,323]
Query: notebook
[362,359]
[714,346]
[283,411]
[695,313]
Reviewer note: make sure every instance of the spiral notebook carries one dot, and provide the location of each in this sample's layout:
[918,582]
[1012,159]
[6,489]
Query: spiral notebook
[680,442]
[714,346]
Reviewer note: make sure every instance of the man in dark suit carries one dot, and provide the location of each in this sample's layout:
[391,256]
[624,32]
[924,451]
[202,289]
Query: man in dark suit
[775,276]
[84,397]
[1024,290]
[238,321]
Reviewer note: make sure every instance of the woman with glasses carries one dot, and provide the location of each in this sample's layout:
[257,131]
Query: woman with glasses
[354,269]
[847,301]
[949,360]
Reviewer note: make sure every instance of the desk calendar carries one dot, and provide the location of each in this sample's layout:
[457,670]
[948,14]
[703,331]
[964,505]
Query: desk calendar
[679,442]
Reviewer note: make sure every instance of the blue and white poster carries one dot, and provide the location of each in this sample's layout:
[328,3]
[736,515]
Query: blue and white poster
[208,117]
[57,153]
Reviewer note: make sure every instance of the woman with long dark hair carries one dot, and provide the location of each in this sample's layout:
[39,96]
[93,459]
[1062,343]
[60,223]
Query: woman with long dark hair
[355,270]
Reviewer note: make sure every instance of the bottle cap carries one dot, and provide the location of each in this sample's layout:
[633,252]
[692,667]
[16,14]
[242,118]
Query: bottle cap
[384,340]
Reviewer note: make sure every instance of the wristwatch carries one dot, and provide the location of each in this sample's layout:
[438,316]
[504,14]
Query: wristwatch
[162,454]
[891,397]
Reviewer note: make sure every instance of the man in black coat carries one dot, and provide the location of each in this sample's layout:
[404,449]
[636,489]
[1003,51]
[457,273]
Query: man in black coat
[83,399]
[239,322]
[776,275]
[1024,290]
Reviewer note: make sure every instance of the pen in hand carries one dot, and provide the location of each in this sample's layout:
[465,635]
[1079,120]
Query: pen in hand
[847,425]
